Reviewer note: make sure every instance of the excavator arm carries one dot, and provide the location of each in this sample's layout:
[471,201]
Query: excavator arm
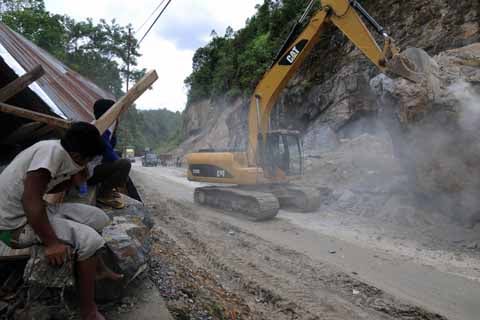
[345,15]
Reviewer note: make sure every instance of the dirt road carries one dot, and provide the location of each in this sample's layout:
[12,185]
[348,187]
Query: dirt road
[293,267]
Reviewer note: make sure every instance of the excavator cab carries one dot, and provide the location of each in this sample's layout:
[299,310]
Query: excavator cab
[281,154]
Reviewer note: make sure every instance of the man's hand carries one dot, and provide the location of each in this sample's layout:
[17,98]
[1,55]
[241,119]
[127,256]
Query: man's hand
[58,253]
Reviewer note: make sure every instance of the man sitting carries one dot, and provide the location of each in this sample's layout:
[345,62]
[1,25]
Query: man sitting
[108,171]
[25,219]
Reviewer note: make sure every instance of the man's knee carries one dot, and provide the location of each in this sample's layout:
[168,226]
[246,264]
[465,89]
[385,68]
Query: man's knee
[89,242]
[82,237]
[100,219]
[84,214]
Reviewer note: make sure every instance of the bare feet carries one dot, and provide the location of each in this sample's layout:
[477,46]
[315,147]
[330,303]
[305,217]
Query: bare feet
[94,315]
[110,275]
[104,272]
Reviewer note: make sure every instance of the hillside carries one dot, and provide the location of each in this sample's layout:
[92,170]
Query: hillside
[156,129]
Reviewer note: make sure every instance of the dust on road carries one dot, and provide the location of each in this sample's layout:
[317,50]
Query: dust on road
[265,269]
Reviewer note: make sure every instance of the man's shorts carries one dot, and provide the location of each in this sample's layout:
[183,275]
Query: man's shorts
[76,224]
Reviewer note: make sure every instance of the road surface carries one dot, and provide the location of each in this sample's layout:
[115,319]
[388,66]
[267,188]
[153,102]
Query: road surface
[300,268]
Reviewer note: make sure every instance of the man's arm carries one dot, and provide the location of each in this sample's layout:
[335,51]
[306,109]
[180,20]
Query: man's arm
[35,186]
[109,155]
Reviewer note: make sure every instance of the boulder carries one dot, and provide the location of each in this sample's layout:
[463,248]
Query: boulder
[128,245]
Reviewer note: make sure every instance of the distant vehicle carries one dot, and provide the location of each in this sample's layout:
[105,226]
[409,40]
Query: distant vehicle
[129,154]
[165,158]
[150,160]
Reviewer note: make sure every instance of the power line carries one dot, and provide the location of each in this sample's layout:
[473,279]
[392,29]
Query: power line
[155,21]
[150,16]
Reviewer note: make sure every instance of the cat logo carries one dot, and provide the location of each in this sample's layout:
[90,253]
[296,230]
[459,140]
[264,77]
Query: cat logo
[293,54]
[220,173]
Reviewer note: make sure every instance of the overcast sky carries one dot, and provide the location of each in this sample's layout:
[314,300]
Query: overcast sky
[169,47]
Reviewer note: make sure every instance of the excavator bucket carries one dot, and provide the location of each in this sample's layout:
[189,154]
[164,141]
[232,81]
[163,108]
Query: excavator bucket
[413,64]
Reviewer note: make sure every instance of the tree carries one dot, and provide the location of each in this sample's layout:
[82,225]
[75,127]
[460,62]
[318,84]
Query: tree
[17,5]
[233,64]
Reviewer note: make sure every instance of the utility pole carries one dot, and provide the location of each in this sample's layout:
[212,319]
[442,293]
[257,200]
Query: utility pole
[129,49]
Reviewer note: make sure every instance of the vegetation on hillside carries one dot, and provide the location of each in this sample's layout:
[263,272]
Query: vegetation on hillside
[159,130]
[98,51]
[232,64]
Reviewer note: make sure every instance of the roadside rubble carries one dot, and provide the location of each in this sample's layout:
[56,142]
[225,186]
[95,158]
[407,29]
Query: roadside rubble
[190,292]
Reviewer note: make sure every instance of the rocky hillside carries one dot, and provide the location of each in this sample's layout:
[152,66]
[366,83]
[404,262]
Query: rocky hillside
[339,95]
[333,86]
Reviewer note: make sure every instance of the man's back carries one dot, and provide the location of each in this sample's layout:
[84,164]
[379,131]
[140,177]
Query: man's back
[49,155]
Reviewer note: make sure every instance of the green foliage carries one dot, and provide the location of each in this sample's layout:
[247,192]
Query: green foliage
[155,129]
[234,63]
[160,127]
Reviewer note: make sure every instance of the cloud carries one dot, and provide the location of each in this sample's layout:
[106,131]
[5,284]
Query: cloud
[187,34]
[169,47]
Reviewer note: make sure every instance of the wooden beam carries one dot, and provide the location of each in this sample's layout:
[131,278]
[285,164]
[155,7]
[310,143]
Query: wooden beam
[21,83]
[126,101]
[35,116]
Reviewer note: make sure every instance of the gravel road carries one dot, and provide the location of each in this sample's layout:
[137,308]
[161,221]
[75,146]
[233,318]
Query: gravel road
[292,267]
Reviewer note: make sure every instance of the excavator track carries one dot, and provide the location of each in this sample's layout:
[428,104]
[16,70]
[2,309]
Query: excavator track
[258,206]
[296,198]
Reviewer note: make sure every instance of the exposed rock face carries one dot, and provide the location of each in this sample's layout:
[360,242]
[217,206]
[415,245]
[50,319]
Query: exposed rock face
[196,118]
[440,121]
[224,127]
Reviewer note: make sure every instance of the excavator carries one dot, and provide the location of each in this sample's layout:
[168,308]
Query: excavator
[260,180]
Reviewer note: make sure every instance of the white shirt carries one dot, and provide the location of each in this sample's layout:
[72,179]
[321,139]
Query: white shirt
[48,155]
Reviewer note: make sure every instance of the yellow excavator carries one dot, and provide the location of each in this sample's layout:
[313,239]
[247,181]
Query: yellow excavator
[260,176]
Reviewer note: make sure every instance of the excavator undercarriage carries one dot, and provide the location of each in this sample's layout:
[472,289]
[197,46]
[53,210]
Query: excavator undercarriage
[259,202]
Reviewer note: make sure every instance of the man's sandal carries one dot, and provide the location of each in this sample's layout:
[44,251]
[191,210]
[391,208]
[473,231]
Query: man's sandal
[114,203]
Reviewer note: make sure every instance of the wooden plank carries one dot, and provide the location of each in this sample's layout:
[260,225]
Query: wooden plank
[126,101]
[35,116]
[21,83]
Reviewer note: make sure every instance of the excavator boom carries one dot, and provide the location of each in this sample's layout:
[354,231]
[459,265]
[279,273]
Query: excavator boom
[343,14]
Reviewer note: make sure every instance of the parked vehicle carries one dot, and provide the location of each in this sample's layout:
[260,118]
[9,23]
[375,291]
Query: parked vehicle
[150,159]
[129,154]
